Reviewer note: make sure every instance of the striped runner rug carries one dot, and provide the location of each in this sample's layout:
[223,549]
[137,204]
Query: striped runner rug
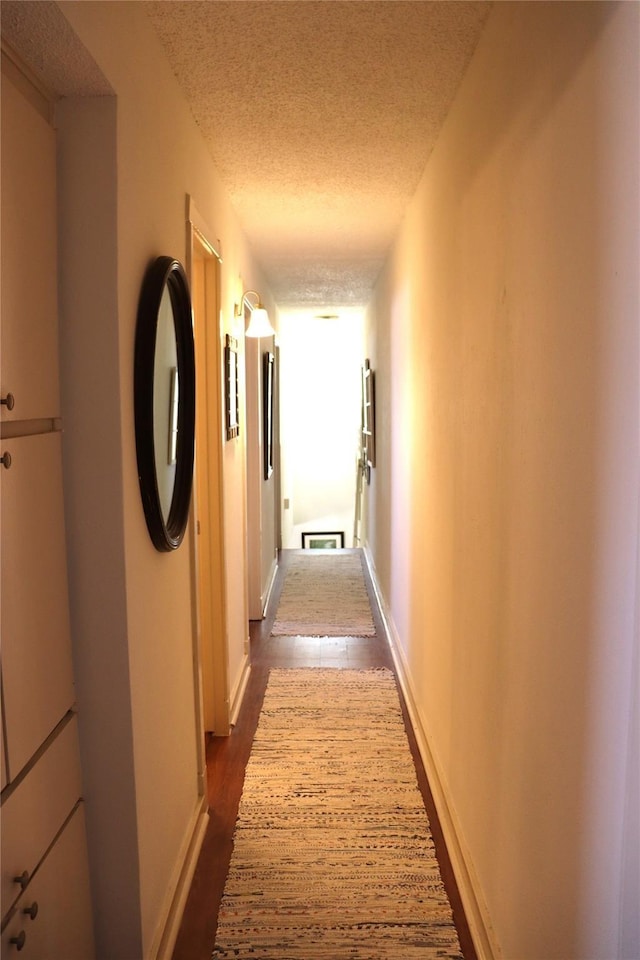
[324,595]
[333,857]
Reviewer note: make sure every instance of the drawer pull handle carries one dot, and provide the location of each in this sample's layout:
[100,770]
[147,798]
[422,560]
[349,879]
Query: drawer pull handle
[19,941]
[31,911]
[9,401]
[23,879]
[5,460]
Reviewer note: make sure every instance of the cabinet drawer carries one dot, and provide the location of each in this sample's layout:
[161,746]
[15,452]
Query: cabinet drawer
[61,927]
[37,670]
[37,808]
[29,360]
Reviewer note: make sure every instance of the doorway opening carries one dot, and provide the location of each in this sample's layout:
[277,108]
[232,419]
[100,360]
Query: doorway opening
[320,424]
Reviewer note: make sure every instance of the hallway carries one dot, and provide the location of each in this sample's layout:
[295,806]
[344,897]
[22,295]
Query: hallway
[227,759]
[501,520]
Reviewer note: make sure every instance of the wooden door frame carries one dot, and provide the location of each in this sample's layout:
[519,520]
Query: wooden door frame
[208,578]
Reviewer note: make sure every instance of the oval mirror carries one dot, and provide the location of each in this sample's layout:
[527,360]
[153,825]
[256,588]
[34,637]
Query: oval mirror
[164,400]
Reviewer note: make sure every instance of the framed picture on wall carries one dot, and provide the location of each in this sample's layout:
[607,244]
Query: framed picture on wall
[268,372]
[231,386]
[368,419]
[322,541]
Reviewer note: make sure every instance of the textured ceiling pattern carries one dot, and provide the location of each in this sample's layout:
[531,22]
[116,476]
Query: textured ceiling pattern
[47,44]
[320,116]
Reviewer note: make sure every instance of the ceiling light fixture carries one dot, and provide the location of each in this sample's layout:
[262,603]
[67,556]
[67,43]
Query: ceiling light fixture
[259,325]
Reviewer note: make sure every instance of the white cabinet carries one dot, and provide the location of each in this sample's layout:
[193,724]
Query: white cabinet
[45,892]
[29,362]
[52,918]
[37,668]
[36,809]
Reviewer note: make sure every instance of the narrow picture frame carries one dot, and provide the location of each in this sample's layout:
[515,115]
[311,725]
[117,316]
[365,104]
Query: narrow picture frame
[368,418]
[231,387]
[268,375]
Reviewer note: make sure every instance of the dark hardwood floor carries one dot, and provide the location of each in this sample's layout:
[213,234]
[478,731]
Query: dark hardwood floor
[227,758]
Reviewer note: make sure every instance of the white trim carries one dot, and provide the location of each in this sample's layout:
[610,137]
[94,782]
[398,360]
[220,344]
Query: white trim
[476,912]
[199,225]
[29,84]
[213,703]
[178,891]
[238,692]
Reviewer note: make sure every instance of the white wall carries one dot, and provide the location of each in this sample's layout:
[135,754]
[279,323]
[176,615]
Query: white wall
[128,163]
[320,363]
[502,516]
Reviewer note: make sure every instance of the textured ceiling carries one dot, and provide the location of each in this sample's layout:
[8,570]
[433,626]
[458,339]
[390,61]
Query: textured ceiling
[320,116]
[40,34]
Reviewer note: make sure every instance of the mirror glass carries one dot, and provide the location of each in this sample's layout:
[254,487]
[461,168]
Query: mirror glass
[164,395]
[165,404]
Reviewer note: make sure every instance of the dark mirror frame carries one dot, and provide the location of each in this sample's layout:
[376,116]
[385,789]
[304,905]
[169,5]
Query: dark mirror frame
[165,273]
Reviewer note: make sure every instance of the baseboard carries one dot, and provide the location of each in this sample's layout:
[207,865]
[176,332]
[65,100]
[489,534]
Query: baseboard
[468,885]
[165,939]
[237,694]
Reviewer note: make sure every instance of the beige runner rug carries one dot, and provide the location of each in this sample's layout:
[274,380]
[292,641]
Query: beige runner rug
[324,595]
[333,857]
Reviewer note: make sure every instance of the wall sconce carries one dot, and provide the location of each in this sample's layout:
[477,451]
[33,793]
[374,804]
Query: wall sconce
[259,325]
